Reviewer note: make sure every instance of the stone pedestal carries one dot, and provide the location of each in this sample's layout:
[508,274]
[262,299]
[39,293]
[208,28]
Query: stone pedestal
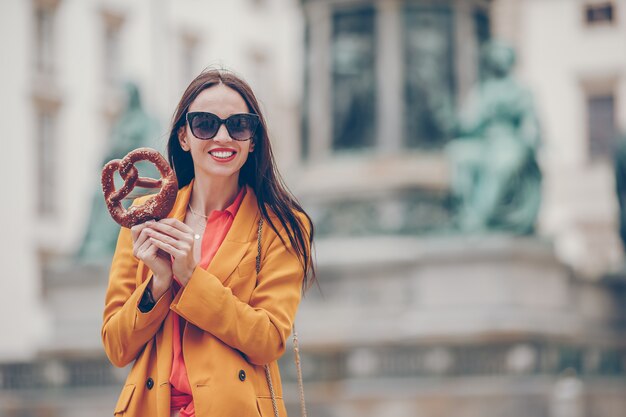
[74,294]
[406,289]
[483,326]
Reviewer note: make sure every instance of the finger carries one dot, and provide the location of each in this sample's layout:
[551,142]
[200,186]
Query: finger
[177,224]
[174,232]
[142,251]
[167,248]
[143,236]
[151,251]
[136,229]
[162,237]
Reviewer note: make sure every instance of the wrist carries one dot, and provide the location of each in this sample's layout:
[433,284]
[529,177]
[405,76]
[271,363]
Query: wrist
[184,279]
[157,287]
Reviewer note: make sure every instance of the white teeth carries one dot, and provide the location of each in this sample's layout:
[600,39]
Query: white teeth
[222,154]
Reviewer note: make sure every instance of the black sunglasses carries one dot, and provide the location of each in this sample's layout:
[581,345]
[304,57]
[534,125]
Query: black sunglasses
[205,125]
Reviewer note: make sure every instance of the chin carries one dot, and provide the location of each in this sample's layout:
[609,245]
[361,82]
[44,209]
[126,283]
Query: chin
[221,172]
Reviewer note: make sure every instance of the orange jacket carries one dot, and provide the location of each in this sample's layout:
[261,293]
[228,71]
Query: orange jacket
[238,322]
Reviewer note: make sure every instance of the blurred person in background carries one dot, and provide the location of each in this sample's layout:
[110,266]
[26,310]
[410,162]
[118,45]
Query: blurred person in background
[203,300]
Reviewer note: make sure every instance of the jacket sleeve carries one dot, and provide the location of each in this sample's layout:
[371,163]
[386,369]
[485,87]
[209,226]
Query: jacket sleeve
[260,328]
[125,329]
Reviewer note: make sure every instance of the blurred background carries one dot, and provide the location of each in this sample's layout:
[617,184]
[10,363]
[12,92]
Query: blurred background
[463,161]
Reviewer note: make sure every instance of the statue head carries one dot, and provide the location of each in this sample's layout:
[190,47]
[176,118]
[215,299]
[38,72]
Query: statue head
[498,58]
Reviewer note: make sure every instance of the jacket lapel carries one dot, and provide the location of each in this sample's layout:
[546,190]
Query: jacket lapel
[164,338]
[182,199]
[238,239]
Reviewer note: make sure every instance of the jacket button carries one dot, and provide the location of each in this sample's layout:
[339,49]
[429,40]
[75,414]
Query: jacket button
[242,375]
[149,383]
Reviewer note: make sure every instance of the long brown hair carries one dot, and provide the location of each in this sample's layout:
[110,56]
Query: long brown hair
[259,171]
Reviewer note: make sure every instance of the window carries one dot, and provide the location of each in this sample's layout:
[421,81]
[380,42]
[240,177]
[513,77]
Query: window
[601,124]
[429,72]
[304,121]
[112,47]
[47,163]
[44,38]
[599,13]
[482,25]
[188,51]
[353,79]
[483,33]
[262,77]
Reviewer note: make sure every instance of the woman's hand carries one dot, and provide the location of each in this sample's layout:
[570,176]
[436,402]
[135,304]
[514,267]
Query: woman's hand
[176,239]
[157,260]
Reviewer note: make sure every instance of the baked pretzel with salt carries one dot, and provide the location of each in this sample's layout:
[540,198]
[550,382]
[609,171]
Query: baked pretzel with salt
[157,206]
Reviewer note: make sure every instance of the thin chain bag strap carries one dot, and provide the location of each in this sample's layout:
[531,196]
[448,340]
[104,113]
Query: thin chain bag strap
[296,348]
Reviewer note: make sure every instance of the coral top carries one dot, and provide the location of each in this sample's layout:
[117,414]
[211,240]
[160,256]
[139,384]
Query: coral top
[217,226]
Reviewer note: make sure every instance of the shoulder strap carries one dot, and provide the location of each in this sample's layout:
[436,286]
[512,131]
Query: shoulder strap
[296,348]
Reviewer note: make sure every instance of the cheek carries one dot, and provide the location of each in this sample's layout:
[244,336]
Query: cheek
[246,156]
[197,145]
[197,151]
[192,148]
[247,150]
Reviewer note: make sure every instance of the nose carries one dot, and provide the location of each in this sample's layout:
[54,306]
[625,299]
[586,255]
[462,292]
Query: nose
[222,135]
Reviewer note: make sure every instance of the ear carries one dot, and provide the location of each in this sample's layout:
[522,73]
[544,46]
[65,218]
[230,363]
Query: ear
[251,145]
[182,138]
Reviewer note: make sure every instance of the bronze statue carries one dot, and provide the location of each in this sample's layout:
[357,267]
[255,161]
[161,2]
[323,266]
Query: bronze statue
[134,129]
[496,181]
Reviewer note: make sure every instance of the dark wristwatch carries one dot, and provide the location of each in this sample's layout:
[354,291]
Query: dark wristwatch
[147,301]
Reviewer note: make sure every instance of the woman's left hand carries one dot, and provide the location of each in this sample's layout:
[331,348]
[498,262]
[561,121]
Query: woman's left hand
[175,238]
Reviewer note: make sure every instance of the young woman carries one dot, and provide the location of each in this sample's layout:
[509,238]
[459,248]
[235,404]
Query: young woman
[184,301]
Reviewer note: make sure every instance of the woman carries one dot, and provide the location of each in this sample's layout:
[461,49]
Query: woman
[184,301]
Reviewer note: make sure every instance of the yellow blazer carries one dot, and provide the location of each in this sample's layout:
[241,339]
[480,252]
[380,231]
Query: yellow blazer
[237,322]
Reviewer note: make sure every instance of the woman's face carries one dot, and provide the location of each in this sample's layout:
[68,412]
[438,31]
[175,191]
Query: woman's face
[220,156]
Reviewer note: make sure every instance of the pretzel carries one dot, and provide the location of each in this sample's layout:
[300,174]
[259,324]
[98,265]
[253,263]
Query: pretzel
[157,206]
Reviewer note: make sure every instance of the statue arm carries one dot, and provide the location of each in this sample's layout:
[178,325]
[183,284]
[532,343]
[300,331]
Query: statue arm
[530,129]
[471,117]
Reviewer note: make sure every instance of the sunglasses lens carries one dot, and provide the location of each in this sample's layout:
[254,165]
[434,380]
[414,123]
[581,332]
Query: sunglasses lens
[204,125]
[241,126]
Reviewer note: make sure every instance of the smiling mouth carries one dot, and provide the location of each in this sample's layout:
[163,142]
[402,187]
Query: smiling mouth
[222,154]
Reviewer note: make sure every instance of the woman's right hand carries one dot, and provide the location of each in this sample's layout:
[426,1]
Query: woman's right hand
[158,261]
